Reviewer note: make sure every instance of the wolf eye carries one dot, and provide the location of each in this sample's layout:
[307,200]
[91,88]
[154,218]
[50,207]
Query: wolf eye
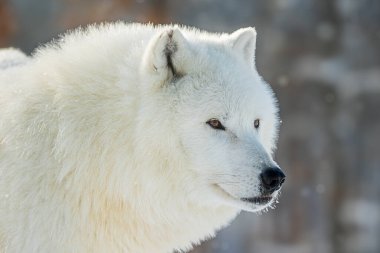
[214,123]
[256,123]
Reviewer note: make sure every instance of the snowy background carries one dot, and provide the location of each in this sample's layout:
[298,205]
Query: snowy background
[322,58]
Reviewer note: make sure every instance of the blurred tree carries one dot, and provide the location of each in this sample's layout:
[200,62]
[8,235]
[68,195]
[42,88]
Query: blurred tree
[7,24]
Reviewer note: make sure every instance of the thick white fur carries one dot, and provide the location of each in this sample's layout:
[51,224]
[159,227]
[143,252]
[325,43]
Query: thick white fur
[11,57]
[104,149]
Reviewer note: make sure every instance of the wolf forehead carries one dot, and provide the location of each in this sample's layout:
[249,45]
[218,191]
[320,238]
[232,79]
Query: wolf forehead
[224,84]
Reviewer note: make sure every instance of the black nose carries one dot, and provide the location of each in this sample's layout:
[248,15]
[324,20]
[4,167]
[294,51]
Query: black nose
[271,179]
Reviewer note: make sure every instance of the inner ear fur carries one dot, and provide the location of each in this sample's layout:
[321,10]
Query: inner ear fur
[166,54]
[243,42]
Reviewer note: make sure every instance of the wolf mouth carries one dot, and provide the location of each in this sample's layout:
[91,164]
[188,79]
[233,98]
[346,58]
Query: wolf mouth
[260,200]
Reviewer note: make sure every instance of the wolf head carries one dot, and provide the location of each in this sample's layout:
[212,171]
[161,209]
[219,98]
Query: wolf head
[220,119]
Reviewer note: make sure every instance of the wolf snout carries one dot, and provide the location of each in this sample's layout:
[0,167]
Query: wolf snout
[271,179]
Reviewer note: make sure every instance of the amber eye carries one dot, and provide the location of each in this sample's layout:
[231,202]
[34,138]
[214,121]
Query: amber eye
[256,123]
[214,123]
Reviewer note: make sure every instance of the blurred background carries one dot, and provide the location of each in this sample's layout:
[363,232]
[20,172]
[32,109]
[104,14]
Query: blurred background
[322,58]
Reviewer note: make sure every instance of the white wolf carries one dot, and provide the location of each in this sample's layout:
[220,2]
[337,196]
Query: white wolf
[133,138]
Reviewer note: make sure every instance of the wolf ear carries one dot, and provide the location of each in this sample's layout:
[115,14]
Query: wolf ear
[166,55]
[243,42]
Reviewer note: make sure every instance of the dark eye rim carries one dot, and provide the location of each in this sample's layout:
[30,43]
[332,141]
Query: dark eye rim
[256,123]
[216,124]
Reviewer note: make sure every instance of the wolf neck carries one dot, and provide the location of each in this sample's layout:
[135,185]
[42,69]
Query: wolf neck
[150,220]
[169,219]
[187,227]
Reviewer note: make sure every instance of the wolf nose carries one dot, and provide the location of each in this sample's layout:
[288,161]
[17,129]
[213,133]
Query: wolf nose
[271,179]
